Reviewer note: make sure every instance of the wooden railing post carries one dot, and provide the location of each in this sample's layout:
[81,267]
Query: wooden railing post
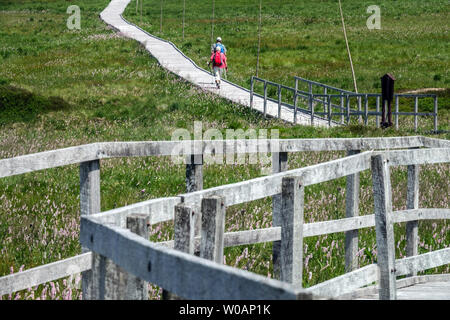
[135,288]
[194,182]
[279,164]
[213,228]
[292,199]
[111,282]
[89,204]
[412,202]
[384,227]
[185,223]
[351,210]
[183,237]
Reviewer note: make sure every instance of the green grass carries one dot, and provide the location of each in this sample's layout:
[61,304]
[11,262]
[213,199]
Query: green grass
[60,88]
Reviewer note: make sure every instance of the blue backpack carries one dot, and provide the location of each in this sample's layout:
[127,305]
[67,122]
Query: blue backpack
[221,46]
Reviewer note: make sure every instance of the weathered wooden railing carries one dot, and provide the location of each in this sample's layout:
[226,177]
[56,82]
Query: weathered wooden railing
[338,102]
[104,232]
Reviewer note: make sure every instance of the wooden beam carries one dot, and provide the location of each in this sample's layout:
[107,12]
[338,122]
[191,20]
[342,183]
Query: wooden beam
[292,206]
[279,164]
[351,210]
[45,273]
[183,274]
[384,227]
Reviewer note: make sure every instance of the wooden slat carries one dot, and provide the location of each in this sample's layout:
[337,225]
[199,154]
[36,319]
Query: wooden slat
[159,210]
[324,227]
[259,188]
[422,262]
[178,272]
[47,160]
[105,150]
[417,156]
[45,273]
[435,143]
[346,283]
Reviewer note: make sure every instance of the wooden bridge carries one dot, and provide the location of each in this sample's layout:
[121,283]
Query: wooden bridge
[121,258]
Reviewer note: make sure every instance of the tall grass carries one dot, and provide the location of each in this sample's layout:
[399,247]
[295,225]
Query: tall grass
[107,88]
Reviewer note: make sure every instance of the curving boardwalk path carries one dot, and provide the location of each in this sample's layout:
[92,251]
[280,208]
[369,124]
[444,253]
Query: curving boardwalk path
[172,59]
[428,287]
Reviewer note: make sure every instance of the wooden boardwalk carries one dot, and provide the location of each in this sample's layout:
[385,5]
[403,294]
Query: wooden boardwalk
[430,287]
[172,59]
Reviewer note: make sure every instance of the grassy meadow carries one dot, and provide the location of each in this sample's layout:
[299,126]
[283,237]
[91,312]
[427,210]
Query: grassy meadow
[61,88]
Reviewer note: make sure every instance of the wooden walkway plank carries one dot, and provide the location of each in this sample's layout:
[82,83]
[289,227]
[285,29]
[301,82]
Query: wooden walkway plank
[175,61]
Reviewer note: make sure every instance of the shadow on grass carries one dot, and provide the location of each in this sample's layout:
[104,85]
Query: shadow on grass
[21,105]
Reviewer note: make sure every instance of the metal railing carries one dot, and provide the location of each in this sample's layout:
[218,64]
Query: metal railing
[338,102]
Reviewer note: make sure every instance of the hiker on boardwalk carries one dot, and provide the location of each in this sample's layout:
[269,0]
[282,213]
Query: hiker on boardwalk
[219,61]
[220,45]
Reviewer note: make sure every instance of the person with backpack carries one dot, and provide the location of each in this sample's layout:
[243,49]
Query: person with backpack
[220,45]
[219,62]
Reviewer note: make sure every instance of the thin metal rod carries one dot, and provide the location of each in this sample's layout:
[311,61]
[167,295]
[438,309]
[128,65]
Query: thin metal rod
[396,112]
[435,114]
[212,22]
[141,9]
[161,18]
[416,110]
[259,38]
[184,12]
[348,48]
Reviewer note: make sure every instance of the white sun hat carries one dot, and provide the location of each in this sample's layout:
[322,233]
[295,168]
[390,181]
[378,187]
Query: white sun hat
[219,39]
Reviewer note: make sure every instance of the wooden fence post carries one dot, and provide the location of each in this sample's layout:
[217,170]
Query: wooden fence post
[194,182]
[111,282]
[182,222]
[135,288]
[384,227]
[213,227]
[183,237]
[292,198]
[89,204]
[351,210]
[279,164]
[412,202]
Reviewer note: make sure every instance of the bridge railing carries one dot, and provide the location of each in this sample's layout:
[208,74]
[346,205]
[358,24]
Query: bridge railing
[158,210]
[339,102]
[210,205]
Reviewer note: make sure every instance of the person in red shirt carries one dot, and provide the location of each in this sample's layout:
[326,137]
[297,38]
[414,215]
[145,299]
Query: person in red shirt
[219,62]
